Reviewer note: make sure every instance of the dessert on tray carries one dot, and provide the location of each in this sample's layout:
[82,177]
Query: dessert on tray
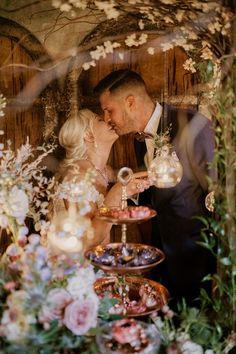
[128,257]
[128,336]
[136,296]
[130,214]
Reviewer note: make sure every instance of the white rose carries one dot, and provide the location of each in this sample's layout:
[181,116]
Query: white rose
[191,348]
[81,285]
[18,204]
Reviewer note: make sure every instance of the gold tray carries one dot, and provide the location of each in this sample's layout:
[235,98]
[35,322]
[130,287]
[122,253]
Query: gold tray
[134,283]
[99,251]
[103,214]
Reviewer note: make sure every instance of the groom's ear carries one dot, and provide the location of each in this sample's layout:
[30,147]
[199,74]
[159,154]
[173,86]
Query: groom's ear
[88,136]
[130,101]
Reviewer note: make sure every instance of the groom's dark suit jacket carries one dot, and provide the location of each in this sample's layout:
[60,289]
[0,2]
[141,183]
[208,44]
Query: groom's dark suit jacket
[175,229]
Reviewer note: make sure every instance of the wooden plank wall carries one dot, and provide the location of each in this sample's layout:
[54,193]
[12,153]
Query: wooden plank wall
[17,124]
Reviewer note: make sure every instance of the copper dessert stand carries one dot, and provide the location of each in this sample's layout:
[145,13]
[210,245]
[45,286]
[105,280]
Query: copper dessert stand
[118,250]
[134,283]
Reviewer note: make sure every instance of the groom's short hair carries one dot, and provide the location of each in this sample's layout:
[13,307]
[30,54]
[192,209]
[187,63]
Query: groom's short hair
[119,79]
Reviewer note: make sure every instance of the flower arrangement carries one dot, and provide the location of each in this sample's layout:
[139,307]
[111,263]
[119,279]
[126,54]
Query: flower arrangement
[47,300]
[25,191]
[191,331]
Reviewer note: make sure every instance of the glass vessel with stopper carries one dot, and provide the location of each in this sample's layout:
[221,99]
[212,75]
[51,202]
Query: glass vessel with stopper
[165,170]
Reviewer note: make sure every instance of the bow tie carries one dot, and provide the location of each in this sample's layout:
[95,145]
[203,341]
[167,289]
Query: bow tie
[141,136]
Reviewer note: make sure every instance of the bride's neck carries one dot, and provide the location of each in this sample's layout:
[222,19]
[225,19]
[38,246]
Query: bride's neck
[98,158]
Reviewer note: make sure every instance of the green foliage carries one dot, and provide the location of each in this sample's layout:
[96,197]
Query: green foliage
[221,239]
[206,70]
[105,304]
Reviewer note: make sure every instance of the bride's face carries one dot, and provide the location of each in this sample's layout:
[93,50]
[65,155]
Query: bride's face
[103,132]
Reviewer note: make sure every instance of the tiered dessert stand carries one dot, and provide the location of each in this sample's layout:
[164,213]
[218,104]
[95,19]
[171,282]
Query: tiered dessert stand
[125,262]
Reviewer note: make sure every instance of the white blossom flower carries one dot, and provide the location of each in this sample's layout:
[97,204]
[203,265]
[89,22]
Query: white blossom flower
[98,53]
[109,7]
[86,66]
[109,46]
[166,46]
[81,4]
[65,7]
[189,65]
[214,27]
[17,204]
[131,40]
[207,54]
[182,42]
[225,29]
[151,50]
[141,24]
[81,285]
[56,3]
[209,6]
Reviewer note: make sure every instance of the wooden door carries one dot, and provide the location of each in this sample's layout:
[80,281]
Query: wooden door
[18,124]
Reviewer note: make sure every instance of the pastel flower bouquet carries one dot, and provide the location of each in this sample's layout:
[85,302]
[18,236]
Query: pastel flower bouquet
[47,299]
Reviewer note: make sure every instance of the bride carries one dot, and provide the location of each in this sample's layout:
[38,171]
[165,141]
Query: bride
[87,141]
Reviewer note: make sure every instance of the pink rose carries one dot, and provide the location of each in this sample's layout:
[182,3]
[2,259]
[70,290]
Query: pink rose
[126,331]
[10,285]
[56,302]
[80,316]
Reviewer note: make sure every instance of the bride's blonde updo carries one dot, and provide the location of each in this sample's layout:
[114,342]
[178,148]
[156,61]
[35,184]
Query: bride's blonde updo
[71,135]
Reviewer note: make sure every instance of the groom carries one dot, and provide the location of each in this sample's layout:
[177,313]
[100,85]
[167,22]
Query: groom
[128,107]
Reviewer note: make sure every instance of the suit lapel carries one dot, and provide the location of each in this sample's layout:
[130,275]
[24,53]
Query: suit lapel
[140,149]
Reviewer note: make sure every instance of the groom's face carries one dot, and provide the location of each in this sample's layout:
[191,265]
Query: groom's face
[117,112]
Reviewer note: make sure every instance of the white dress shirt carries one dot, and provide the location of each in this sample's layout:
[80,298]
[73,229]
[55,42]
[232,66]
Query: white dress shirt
[151,128]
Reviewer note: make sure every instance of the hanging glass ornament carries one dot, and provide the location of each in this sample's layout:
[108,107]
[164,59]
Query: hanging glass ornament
[165,170]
